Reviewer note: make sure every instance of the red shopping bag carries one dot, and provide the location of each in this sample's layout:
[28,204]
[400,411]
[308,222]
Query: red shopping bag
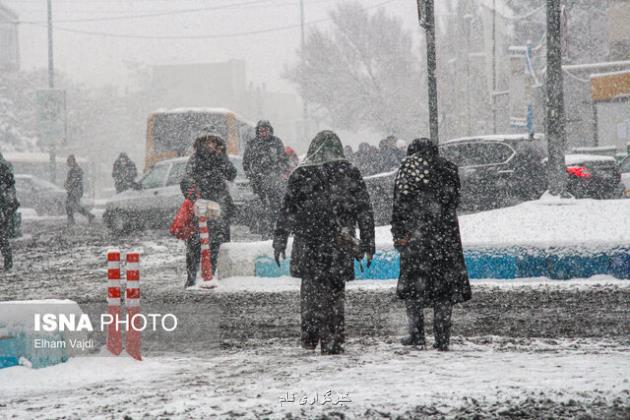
[183,226]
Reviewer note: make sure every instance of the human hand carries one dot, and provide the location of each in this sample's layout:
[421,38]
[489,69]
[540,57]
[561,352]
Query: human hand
[277,252]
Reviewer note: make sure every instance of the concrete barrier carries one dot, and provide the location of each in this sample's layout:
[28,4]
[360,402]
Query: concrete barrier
[482,263]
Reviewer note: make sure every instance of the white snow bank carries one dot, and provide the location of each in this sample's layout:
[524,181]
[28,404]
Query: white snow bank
[287,284]
[578,159]
[76,373]
[543,223]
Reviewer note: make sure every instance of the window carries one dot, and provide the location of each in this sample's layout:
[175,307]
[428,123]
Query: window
[625,166]
[155,178]
[177,173]
[476,154]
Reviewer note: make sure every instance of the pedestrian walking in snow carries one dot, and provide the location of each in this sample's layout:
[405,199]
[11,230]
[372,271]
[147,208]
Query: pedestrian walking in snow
[74,190]
[389,155]
[265,162]
[207,172]
[326,200]
[426,232]
[124,173]
[8,206]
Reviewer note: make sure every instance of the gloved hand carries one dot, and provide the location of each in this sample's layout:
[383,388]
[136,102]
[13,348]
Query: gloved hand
[277,252]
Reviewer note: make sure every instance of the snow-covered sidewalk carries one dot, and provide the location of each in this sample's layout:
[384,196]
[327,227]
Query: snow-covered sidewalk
[484,375]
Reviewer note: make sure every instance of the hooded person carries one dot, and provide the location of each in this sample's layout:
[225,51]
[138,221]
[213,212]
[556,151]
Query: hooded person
[74,189]
[426,233]
[326,200]
[206,176]
[390,155]
[124,173]
[8,207]
[265,163]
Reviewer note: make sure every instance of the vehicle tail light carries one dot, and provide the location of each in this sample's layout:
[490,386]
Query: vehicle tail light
[579,171]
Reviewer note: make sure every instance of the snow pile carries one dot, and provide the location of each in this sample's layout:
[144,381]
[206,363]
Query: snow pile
[39,348]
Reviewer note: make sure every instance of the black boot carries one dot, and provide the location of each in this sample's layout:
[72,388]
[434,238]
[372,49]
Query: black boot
[415,324]
[442,325]
[412,340]
[8,262]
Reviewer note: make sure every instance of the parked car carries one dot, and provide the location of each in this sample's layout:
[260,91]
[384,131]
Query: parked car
[155,201]
[44,197]
[498,170]
[592,176]
[624,168]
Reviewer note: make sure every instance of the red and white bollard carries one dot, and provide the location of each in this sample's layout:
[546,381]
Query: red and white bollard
[114,336]
[206,261]
[133,342]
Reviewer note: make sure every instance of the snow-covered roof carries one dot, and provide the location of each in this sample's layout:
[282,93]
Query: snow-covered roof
[577,159]
[193,109]
[496,137]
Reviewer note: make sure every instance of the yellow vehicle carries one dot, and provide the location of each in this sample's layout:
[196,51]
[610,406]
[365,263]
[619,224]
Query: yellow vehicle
[170,133]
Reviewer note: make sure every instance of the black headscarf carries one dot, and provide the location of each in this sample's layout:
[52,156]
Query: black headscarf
[416,171]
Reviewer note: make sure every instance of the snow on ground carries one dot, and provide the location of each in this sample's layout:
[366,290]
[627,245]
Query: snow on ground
[543,223]
[377,376]
[286,284]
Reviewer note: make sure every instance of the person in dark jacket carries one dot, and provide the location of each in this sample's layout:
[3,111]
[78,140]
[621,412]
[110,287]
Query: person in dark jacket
[265,162]
[124,173]
[8,206]
[389,155]
[326,200]
[366,159]
[74,190]
[207,172]
[426,232]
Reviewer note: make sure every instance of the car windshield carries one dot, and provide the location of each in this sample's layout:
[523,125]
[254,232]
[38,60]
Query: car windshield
[475,154]
[155,177]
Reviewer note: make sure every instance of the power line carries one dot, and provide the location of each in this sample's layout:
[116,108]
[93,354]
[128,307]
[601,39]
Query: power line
[147,15]
[207,36]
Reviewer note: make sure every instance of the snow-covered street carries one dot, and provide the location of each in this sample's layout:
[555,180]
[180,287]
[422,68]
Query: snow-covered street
[483,376]
[528,347]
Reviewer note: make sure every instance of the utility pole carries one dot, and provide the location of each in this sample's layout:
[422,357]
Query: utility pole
[554,101]
[494,66]
[304,102]
[426,19]
[468,24]
[51,85]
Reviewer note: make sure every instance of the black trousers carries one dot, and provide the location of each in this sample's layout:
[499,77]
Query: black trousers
[5,249]
[193,252]
[442,312]
[73,203]
[271,195]
[323,314]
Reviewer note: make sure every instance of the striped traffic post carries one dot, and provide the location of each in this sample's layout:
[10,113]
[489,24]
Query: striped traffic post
[133,342]
[204,239]
[114,336]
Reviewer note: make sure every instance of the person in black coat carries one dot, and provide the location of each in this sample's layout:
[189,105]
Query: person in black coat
[74,190]
[207,172]
[426,232]
[124,173]
[8,206]
[326,200]
[265,162]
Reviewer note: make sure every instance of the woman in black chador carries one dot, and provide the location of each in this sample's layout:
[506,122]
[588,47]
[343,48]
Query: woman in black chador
[207,173]
[426,232]
[326,200]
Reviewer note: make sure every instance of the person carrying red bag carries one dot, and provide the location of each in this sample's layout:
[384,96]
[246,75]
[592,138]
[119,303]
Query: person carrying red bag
[207,172]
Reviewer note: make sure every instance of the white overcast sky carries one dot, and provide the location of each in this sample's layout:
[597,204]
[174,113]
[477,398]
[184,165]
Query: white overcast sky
[98,60]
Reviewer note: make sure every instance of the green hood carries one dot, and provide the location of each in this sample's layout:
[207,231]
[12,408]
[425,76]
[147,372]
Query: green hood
[325,147]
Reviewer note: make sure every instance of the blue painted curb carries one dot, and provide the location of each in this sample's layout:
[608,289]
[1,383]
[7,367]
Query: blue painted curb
[505,263]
